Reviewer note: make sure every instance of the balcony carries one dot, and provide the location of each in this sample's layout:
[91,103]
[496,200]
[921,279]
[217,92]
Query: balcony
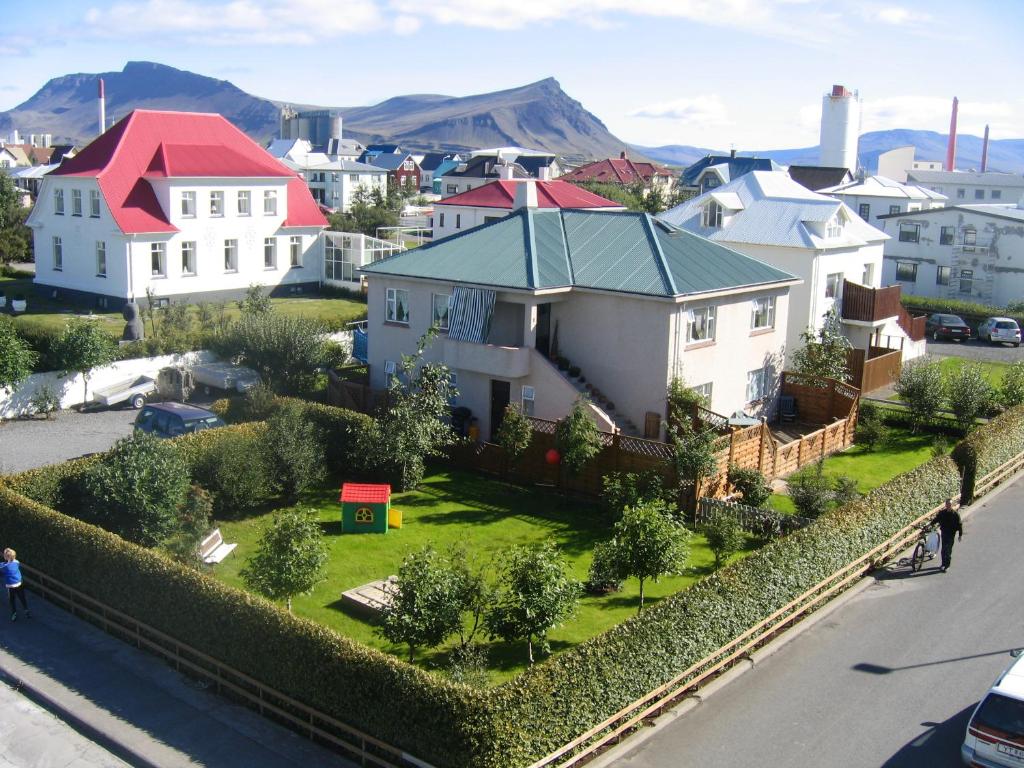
[488,359]
[870,305]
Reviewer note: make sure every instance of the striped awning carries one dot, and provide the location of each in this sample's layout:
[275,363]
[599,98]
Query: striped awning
[470,314]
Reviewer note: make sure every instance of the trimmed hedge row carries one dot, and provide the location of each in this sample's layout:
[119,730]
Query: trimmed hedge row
[988,447]
[971,311]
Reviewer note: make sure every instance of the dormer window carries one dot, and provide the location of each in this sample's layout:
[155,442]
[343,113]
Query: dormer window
[835,227]
[711,216]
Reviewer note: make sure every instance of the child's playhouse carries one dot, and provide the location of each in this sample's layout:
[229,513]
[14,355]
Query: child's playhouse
[366,508]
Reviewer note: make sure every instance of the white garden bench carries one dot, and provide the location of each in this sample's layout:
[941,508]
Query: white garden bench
[213,549]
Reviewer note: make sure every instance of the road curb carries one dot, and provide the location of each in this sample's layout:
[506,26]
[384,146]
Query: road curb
[692,701]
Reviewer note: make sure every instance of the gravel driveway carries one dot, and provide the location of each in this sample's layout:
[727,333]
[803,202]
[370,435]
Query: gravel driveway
[980,351]
[29,443]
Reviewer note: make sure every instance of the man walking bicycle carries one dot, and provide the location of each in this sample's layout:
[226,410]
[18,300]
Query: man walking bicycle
[949,524]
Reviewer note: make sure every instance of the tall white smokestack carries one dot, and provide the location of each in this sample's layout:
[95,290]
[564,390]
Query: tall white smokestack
[103,108]
[840,128]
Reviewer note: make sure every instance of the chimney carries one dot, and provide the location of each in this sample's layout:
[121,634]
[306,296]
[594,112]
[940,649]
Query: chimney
[103,108]
[732,152]
[526,195]
[951,147]
[544,173]
[622,155]
[984,151]
[504,171]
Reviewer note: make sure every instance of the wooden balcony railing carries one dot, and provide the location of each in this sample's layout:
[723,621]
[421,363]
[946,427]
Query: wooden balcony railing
[869,304]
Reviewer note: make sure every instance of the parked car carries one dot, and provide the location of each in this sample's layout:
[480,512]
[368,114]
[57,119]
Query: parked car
[995,732]
[173,419]
[1000,330]
[947,327]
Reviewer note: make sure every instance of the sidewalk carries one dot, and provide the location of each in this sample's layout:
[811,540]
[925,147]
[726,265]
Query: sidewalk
[133,704]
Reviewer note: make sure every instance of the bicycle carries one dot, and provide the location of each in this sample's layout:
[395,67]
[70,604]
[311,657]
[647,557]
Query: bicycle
[927,546]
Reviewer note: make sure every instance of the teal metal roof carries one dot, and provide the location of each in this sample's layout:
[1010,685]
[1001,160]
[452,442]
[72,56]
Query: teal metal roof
[606,250]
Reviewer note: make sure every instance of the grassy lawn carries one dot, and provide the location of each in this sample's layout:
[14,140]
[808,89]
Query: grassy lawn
[993,371]
[481,514]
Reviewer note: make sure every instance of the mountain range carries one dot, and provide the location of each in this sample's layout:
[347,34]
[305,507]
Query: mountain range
[539,115]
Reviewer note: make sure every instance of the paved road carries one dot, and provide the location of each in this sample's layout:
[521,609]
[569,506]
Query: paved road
[29,443]
[976,350]
[888,680]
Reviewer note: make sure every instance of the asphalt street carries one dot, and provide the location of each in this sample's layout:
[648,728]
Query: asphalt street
[888,680]
[29,443]
[976,350]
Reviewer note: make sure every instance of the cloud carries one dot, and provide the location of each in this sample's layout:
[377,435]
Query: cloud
[932,113]
[407,25]
[704,110]
[899,16]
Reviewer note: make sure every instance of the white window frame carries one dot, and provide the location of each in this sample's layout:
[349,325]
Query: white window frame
[270,202]
[390,370]
[295,252]
[58,254]
[231,255]
[966,282]
[905,265]
[76,202]
[757,385]
[101,258]
[188,258]
[764,305]
[711,215]
[705,390]
[270,250]
[216,203]
[158,259]
[244,202]
[833,285]
[528,400]
[58,201]
[834,228]
[435,317]
[188,204]
[94,203]
[701,320]
[395,298]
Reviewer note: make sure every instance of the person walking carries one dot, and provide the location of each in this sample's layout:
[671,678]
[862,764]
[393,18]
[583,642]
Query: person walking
[12,580]
[949,524]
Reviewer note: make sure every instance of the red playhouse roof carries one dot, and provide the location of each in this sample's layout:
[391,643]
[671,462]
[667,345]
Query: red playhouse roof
[365,493]
[152,144]
[550,194]
[618,171]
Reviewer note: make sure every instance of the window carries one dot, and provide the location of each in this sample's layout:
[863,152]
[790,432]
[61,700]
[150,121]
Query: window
[58,255]
[835,227]
[389,370]
[94,203]
[76,202]
[188,258]
[979,194]
[270,202]
[869,275]
[442,303]
[910,233]
[757,385]
[970,237]
[489,219]
[157,262]
[58,202]
[529,398]
[216,203]
[244,202]
[997,194]
[451,189]
[270,252]
[458,221]
[188,205]
[906,271]
[864,211]
[397,306]
[704,390]
[711,216]
[701,325]
[960,193]
[942,275]
[966,280]
[832,285]
[364,516]
[763,313]
[230,255]
[946,235]
[295,251]
[894,209]
[440,221]
[101,258]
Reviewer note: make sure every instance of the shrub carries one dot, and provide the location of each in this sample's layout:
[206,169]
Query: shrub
[295,447]
[988,447]
[259,403]
[810,491]
[725,537]
[751,484]
[1011,390]
[969,394]
[605,574]
[844,490]
[871,430]
[920,385]
[629,489]
[514,434]
[233,464]
[577,438]
[45,401]
[16,356]
[193,523]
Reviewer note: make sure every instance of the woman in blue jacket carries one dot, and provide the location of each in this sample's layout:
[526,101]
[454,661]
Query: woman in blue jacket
[12,580]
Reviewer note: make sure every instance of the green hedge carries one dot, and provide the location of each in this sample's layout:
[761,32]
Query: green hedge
[988,447]
[971,311]
[57,486]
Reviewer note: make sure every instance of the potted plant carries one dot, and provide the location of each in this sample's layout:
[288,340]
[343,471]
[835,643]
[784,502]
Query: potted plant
[574,371]
[19,304]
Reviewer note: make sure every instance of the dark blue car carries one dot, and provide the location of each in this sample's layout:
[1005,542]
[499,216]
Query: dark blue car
[173,419]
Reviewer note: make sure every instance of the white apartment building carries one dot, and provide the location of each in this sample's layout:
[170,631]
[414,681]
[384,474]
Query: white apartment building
[877,196]
[971,187]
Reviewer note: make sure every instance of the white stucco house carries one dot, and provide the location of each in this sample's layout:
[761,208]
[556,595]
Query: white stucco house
[631,301]
[768,216]
[971,187]
[876,196]
[181,204]
[497,199]
[331,180]
[970,252]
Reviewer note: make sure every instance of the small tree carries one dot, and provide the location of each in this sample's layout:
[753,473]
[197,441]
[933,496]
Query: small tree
[682,402]
[1011,391]
[295,447]
[535,594]
[693,453]
[605,574]
[16,356]
[514,434]
[255,302]
[290,557]
[650,543]
[81,347]
[870,429]
[15,237]
[751,485]
[725,537]
[577,438]
[920,385]
[193,522]
[136,489]
[620,490]
[969,394]
[823,354]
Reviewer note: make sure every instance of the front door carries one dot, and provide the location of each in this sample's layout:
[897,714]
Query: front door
[500,392]
[543,343]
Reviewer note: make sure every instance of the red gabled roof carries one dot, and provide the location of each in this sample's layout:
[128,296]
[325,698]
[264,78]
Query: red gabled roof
[365,493]
[152,144]
[550,194]
[617,171]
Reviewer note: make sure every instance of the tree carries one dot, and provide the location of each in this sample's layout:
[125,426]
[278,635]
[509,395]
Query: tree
[194,516]
[81,347]
[724,536]
[290,557]
[751,484]
[514,434]
[650,543]
[823,354]
[136,489]
[15,237]
[969,394]
[367,212]
[535,594]
[287,351]
[814,493]
[295,447]
[1011,391]
[693,452]
[870,429]
[16,356]
[620,490]
[920,385]
[577,438]
[428,603]
[413,425]
[256,302]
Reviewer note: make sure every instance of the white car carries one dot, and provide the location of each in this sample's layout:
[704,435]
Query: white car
[995,733]
[1000,329]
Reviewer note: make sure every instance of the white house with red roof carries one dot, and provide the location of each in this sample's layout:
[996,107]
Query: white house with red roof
[498,199]
[624,172]
[181,204]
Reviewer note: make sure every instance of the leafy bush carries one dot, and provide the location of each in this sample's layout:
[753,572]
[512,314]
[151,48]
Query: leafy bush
[295,447]
[725,537]
[515,433]
[750,484]
[16,356]
[193,524]
[260,403]
[871,430]
[233,464]
[988,447]
[605,573]
[577,438]
[45,401]
[1011,389]
[969,394]
[290,558]
[810,490]
[920,384]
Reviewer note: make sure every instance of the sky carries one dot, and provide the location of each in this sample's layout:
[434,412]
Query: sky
[748,74]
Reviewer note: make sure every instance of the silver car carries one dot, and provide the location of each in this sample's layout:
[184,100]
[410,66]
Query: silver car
[1000,330]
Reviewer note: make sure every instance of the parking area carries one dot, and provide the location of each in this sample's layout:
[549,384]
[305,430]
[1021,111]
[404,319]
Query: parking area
[29,443]
[973,349]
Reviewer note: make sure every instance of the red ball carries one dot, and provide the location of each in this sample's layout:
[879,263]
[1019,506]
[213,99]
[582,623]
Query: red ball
[552,456]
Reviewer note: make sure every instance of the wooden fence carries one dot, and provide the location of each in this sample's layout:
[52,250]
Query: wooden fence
[876,368]
[765,523]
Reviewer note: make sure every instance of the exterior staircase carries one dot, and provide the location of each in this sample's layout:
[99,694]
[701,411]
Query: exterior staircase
[601,403]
